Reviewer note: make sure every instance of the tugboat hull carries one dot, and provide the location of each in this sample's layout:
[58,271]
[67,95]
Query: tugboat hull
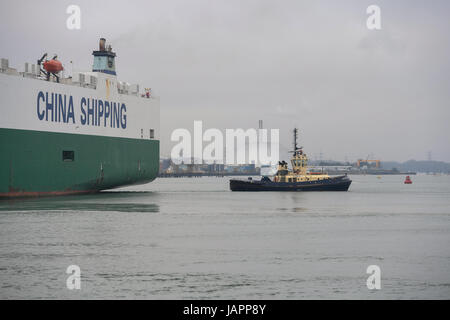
[341,183]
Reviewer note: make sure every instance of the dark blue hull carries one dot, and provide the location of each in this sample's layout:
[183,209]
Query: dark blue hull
[341,183]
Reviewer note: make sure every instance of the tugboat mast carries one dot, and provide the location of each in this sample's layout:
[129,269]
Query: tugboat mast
[295,139]
[297,150]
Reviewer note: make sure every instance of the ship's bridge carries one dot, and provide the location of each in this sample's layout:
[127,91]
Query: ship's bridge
[104,59]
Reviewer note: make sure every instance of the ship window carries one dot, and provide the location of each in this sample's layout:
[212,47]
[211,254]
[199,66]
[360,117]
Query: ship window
[68,156]
[152,133]
[142,133]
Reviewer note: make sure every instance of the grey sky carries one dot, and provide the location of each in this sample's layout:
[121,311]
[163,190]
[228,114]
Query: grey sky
[314,65]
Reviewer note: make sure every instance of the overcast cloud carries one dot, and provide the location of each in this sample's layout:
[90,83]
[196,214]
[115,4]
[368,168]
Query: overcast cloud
[311,64]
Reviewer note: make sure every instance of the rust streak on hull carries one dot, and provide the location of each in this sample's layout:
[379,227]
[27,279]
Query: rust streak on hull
[26,194]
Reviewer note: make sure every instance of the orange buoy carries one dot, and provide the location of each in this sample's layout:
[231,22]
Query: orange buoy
[53,66]
[408,180]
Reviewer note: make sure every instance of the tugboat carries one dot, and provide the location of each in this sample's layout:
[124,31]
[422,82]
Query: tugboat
[299,179]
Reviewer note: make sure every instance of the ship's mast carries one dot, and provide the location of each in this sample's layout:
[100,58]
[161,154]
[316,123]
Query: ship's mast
[295,139]
[297,150]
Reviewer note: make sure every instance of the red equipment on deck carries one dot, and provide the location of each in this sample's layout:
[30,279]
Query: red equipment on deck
[53,66]
[408,180]
[50,67]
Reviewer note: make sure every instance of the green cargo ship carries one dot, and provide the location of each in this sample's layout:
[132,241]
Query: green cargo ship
[80,134]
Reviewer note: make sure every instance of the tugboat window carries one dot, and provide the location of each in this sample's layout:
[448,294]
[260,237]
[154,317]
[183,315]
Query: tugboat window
[152,133]
[68,156]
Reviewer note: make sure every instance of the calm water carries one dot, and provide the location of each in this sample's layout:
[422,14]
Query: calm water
[192,238]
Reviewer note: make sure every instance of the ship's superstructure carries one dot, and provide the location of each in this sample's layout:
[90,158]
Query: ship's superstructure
[85,133]
[299,163]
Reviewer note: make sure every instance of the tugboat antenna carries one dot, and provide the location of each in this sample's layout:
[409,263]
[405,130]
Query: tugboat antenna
[295,139]
[296,148]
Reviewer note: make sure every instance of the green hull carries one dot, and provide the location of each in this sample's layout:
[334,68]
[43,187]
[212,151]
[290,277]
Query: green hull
[33,163]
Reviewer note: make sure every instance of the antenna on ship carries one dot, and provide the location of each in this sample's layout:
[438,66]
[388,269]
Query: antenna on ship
[295,138]
[296,148]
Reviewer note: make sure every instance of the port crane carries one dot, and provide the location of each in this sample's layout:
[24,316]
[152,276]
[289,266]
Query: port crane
[367,161]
